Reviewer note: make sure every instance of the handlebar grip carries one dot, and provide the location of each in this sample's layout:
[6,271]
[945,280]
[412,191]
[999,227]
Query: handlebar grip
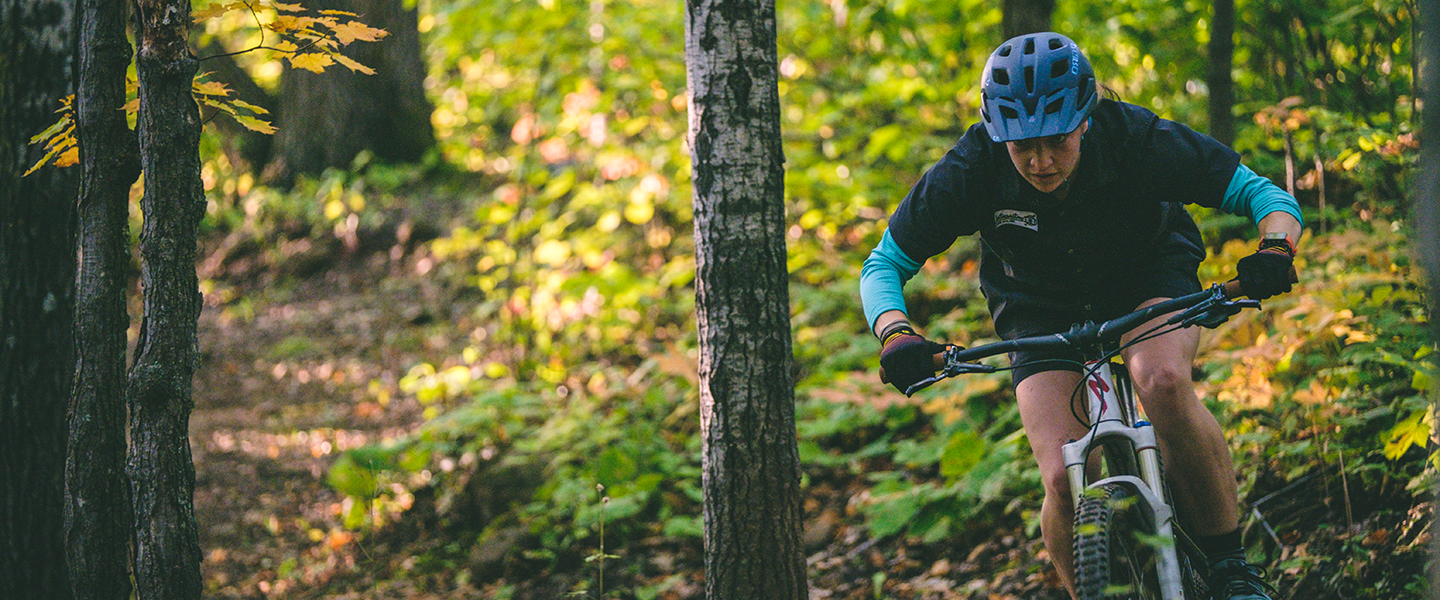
[1232,287]
[938,360]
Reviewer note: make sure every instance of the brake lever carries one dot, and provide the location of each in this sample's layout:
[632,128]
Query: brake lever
[1213,313]
[949,371]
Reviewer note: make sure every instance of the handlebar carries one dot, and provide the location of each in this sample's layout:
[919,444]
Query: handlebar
[1209,307]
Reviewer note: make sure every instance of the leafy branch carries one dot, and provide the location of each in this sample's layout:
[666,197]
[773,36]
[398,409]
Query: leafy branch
[308,41]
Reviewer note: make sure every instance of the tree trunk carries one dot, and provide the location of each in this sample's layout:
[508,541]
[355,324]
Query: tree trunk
[1019,17]
[37,301]
[1222,58]
[162,476]
[751,465]
[326,119]
[97,494]
[1427,199]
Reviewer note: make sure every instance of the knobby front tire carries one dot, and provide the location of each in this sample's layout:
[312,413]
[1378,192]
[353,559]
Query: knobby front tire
[1111,563]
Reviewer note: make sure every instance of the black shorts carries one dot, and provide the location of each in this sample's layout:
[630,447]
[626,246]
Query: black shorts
[1019,314]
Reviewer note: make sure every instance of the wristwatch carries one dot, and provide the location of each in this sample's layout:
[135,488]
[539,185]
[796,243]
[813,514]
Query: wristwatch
[1279,240]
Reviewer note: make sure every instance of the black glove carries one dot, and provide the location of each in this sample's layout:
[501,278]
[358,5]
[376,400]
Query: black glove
[906,357]
[1266,273]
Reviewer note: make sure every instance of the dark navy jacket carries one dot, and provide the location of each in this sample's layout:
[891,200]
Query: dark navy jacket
[1123,208]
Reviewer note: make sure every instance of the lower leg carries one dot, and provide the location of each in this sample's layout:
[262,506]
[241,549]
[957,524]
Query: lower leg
[1057,527]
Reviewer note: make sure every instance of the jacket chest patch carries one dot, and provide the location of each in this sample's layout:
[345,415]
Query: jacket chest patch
[1018,218]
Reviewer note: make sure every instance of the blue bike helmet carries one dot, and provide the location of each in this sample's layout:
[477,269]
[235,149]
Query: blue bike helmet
[1036,85]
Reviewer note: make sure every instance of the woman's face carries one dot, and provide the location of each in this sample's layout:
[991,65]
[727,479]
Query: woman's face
[1047,162]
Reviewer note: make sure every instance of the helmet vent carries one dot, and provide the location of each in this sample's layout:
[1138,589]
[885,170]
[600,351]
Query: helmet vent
[1059,67]
[1056,44]
[1004,50]
[1087,91]
[1029,80]
[1001,76]
[1054,106]
[1029,45]
[1008,113]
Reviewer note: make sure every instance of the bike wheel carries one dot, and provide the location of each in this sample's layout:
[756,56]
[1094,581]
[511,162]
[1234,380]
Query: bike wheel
[1111,561]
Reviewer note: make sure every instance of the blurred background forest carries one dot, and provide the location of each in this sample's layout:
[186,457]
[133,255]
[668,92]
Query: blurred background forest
[449,349]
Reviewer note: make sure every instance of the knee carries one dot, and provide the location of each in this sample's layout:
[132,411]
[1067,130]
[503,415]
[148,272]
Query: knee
[1165,386]
[1057,486]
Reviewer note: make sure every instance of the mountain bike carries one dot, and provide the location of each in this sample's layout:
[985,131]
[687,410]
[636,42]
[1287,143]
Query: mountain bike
[1128,543]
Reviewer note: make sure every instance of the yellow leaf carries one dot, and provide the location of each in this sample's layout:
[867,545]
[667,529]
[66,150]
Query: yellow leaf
[1413,431]
[259,110]
[284,23]
[313,61]
[286,46]
[209,12]
[338,12]
[354,66]
[210,88]
[350,31]
[280,6]
[69,157]
[256,125]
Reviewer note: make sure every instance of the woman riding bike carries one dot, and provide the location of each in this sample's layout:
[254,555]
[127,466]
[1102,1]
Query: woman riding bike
[1078,201]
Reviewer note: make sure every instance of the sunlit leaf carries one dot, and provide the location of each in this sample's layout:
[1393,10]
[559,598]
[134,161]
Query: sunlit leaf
[350,31]
[69,157]
[353,64]
[311,61]
[256,125]
[210,88]
[1413,431]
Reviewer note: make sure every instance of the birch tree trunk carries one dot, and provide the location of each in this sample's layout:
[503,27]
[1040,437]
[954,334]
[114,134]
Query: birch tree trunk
[751,465]
[162,475]
[97,494]
[37,275]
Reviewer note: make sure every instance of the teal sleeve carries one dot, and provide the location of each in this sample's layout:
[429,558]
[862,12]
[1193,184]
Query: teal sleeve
[1254,196]
[883,277]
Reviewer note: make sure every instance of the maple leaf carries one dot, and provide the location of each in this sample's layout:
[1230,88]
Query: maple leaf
[311,61]
[210,88]
[354,66]
[350,31]
[287,7]
[209,12]
[285,23]
[259,110]
[68,157]
[338,13]
[286,46]
[254,124]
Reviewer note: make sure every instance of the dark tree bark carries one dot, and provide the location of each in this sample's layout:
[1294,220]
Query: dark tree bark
[1019,17]
[751,465]
[162,475]
[1222,58]
[37,302]
[326,119]
[97,495]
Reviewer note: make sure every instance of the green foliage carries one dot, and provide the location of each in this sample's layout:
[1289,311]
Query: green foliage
[566,250]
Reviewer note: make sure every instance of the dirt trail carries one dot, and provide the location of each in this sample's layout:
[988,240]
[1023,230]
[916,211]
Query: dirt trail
[277,397]
[285,386]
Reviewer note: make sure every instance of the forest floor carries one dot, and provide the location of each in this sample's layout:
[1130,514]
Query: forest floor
[289,352]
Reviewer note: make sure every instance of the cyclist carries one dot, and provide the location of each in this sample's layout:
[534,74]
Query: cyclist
[1078,203]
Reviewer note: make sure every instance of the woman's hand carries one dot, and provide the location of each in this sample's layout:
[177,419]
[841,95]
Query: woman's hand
[907,357]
